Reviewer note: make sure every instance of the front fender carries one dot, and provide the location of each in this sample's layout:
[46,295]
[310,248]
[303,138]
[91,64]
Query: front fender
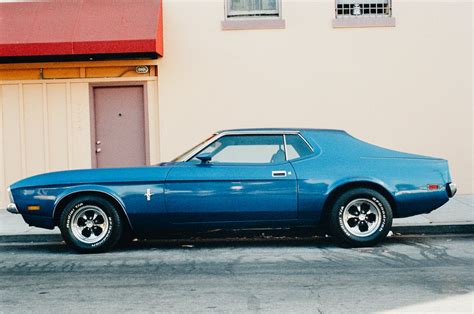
[99,189]
[86,188]
[46,201]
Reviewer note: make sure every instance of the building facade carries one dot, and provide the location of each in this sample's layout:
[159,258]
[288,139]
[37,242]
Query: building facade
[394,73]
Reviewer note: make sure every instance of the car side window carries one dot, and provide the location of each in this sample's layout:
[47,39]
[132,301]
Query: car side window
[246,149]
[296,147]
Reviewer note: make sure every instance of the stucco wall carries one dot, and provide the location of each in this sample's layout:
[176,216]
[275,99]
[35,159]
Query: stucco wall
[407,88]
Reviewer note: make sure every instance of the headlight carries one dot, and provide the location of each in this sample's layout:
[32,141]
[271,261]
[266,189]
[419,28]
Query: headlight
[10,196]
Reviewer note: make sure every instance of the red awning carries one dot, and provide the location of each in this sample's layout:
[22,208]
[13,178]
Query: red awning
[97,29]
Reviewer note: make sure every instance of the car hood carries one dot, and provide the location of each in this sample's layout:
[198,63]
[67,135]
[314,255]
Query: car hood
[96,176]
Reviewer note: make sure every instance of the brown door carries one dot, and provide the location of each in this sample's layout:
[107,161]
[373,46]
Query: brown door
[119,126]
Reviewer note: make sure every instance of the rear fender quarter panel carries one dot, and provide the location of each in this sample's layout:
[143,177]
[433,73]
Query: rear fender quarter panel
[405,179]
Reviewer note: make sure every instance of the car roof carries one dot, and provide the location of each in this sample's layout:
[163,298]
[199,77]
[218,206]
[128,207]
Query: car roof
[280,130]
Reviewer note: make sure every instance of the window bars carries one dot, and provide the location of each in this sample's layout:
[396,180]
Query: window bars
[363,8]
[243,8]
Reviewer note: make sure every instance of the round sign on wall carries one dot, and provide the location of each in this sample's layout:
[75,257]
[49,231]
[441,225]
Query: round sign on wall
[141,69]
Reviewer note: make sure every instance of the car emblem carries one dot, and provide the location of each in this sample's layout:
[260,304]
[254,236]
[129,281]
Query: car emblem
[148,194]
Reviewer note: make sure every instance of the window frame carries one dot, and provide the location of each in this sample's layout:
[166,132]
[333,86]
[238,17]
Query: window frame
[281,135]
[192,154]
[304,141]
[362,2]
[363,20]
[258,14]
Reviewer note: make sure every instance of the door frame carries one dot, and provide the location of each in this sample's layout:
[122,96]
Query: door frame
[92,86]
[190,176]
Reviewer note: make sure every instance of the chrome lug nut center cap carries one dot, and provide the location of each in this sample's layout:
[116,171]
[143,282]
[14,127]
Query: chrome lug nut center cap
[362,217]
[89,223]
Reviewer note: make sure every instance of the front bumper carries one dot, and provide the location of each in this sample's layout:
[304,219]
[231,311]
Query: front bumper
[451,188]
[11,208]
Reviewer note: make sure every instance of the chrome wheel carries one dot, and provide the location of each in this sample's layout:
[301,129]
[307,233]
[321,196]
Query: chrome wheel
[362,217]
[89,224]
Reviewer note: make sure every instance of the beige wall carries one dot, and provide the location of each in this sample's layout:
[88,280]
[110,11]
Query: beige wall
[408,88]
[45,126]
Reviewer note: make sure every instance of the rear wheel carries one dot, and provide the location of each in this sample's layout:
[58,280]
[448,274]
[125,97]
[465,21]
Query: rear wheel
[361,217]
[90,224]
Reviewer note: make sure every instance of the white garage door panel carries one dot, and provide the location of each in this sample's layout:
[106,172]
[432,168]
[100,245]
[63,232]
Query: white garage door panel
[34,128]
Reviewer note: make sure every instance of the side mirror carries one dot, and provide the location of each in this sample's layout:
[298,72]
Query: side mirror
[204,157]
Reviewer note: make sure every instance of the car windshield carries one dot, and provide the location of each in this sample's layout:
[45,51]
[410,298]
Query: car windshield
[181,157]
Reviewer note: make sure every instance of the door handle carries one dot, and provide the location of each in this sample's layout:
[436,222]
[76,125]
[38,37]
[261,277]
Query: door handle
[98,150]
[279,173]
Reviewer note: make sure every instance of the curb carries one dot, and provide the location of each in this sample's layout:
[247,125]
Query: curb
[435,229]
[30,238]
[397,230]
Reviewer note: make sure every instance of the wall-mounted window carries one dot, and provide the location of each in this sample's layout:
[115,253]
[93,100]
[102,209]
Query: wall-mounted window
[252,14]
[252,8]
[363,13]
[361,8]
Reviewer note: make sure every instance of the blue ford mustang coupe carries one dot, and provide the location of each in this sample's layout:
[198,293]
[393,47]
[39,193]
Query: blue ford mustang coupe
[238,179]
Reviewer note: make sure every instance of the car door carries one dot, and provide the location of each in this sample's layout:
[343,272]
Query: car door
[247,179]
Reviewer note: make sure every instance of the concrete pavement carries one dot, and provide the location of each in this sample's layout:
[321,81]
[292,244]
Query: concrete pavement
[458,213]
[404,274]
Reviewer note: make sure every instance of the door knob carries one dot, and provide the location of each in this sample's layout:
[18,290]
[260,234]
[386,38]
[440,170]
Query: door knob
[98,150]
[97,143]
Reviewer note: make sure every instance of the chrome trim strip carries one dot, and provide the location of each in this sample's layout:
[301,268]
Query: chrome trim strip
[286,148]
[270,132]
[195,151]
[10,195]
[307,143]
[97,191]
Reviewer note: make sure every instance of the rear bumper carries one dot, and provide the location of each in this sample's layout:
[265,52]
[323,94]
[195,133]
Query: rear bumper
[451,188]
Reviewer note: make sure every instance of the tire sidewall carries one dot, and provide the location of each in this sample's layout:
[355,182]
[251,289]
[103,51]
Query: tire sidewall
[113,233]
[337,212]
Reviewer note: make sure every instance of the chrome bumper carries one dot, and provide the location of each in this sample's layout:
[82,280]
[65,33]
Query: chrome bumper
[11,208]
[451,188]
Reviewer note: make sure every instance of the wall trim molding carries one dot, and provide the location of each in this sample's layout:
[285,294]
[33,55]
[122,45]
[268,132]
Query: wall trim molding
[355,22]
[253,23]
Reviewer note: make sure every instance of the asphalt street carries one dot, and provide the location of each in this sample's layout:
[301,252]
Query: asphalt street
[405,273]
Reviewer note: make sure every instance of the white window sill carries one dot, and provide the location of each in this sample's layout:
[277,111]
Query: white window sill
[349,22]
[252,23]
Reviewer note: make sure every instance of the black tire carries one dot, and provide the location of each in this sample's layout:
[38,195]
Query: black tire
[360,217]
[104,233]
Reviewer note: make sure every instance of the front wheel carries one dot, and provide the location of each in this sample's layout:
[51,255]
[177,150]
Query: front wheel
[361,217]
[90,224]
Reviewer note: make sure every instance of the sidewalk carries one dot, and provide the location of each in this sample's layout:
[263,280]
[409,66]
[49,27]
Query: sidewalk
[456,216]
[458,213]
